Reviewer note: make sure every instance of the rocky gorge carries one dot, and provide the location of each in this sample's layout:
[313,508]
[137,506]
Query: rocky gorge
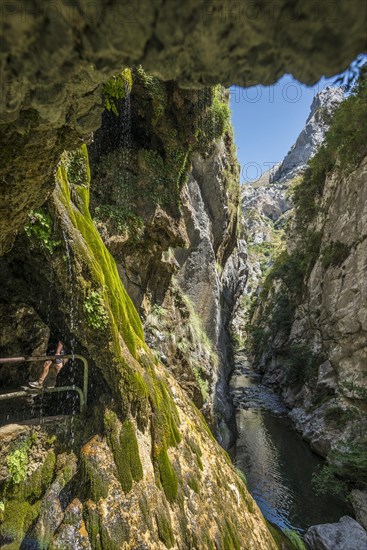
[120,235]
[296,314]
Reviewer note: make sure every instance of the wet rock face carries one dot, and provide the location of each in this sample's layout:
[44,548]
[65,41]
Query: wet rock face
[22,333]
[51,87]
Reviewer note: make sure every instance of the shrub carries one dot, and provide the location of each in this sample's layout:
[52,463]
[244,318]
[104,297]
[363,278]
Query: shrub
[301,364]
[334,254]
[341,416]
[324,481]
[347,136]
[310,187]
[282,313]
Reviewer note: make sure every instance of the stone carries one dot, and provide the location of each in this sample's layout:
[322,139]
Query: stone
[54,64]
[326,379]
[359,502]
[347,534]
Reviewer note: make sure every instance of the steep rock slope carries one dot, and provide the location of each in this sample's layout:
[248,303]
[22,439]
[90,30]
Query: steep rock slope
[309,329]
[165,198]
[311,137]
[125,479]
[55,57]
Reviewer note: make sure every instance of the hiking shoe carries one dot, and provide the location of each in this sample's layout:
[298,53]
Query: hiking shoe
[35,384]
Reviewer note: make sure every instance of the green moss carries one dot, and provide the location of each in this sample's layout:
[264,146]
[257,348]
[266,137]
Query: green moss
[196,450]
[241,475]
[144,508]
[230,538]
[94,478]
[135,382]
[122,314]
[37,483]
[117,88]
[92,524]
[206,541]
[280,539]
[167,475]
[18,517]
[164,527]
[295,539]
[125,450]
[193,483]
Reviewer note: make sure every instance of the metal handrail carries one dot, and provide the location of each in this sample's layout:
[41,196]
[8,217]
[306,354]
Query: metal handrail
[83,393]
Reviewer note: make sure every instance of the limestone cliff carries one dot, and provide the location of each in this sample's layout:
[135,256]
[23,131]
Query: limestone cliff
[141,469]
[309,329]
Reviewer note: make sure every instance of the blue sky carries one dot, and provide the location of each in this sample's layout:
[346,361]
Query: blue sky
[267,121]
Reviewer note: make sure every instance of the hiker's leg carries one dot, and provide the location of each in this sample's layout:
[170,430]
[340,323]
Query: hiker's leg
[59,364]
[44,373]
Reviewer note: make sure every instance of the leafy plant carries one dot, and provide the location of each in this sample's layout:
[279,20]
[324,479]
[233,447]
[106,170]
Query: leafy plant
[96,313]
[76,167]
[17,462]
[39,229]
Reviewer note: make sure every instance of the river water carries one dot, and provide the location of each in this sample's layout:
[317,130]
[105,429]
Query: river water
[276,461]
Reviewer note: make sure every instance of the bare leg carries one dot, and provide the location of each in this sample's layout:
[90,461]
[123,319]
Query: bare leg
[44,373]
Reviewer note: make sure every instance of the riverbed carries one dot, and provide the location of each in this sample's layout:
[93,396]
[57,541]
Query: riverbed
[277,463]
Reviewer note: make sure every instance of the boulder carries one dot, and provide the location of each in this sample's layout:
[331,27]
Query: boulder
[359,503]
[347,534]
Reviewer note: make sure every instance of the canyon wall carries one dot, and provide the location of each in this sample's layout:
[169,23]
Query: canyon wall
[309,326]
[140,468]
